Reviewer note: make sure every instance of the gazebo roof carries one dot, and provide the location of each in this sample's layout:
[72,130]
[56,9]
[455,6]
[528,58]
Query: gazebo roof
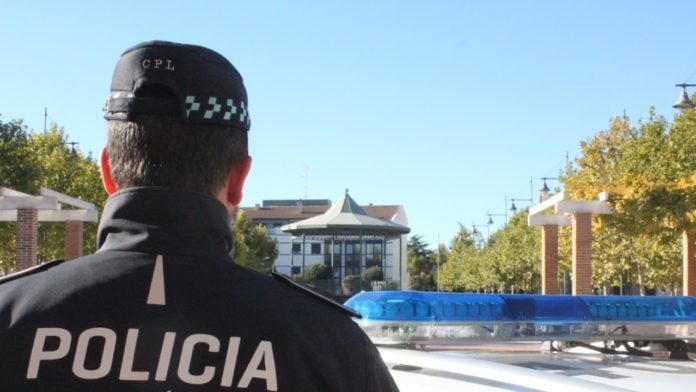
[345,217]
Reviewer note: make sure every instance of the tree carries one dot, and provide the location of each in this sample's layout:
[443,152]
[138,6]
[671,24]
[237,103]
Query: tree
[318,272]
[462,271]
[65,169]
[18,168]
[320,277]
[372,274]
[254,248]
[419,265]
[648,170]
[650,174]
[34,160]
[515,254]
[17,171]
[439,256]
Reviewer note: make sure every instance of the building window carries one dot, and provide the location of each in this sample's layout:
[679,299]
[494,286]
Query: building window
[373,254]
[316,249]
[296,249]
[295,270]
[335,259]
[353,258]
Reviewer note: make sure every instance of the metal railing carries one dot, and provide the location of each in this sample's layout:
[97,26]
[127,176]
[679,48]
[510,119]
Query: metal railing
[342,289]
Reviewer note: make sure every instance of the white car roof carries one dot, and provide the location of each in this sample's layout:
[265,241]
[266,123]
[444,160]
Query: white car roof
[489,368]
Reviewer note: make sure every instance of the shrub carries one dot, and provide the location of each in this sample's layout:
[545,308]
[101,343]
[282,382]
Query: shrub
[372,273]
[317,272]
[351,284]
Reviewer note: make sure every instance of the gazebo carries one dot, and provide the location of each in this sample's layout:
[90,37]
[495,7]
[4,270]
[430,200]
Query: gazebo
[355,239]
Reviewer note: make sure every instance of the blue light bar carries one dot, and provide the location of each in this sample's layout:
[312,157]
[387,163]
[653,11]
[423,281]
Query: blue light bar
[411,316]
[417,306]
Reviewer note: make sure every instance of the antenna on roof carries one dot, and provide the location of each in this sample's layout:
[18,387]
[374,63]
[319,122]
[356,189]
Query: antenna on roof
[306,180]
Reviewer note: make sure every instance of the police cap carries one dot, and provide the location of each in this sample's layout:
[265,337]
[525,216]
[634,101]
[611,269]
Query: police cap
[192,82]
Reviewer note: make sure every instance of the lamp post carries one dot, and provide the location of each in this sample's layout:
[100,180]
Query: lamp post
[688,260]
[684,101]
[490,217]
[437,259]
[488,230]
[513,207]
[72,146]
[544,190]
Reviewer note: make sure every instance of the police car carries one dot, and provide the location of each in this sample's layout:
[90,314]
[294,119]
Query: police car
[486,342]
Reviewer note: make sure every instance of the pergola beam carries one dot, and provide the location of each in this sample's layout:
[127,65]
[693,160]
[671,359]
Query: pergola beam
[28,210]
[13,200]
[65,199]
[543,220]
[54,216]
[596,207]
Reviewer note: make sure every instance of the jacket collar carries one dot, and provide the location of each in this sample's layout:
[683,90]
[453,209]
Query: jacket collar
[165,220]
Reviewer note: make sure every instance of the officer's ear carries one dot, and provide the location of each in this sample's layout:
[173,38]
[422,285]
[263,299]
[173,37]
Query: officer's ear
[109,184]
[235,181]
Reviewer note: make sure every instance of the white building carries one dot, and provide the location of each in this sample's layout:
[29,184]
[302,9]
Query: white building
[361,236]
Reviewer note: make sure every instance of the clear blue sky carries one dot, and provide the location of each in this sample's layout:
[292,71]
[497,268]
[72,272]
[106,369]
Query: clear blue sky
[445,107]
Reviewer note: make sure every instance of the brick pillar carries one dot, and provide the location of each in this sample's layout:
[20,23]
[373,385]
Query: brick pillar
[73,240]
[689,263]
[582,253]
[27,238]
[549,259]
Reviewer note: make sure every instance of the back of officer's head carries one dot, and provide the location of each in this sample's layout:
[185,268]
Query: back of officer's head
[178,117]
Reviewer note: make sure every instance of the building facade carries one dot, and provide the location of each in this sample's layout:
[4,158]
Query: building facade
[348,255]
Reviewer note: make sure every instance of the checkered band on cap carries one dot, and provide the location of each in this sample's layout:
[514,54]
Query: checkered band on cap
[164,78]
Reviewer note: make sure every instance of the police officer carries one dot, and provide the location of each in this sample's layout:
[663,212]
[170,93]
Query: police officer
[161,306]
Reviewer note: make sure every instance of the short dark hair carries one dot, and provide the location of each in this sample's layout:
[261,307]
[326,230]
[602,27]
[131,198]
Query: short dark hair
[156,150]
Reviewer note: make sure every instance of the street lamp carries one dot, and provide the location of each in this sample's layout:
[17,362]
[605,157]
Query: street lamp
[545,188]
[488,232]
[488,229]
[490,219]
[513,207]
[684,101]
[72,145]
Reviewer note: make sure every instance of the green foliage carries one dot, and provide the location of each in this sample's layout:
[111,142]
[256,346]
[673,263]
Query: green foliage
[460,270]
[372,274]
[515,254]
[439,257]
[420,265]
[19,168]
[649,171]
[318,272]
[254,248]
[509,260]
[34,160]
[67,171]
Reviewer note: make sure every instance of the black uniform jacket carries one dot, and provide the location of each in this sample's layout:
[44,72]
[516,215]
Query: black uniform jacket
[162,307]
